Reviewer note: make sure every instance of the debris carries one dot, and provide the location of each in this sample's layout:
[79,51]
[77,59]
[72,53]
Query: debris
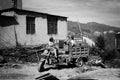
[2,61]
[21,54]
[47,76]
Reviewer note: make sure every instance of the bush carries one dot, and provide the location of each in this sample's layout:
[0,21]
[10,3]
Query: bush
[100,42]
[115,63]
[93,51]
[108,55]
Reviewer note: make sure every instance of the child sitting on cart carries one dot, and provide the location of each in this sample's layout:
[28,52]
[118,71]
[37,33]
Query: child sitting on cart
[51,49]
[72,41]
[69,43]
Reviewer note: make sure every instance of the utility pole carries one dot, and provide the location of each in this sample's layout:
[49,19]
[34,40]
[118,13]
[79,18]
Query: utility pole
[80,29]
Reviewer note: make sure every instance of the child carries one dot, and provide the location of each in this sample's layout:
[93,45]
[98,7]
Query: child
[52,47]
[73,43]
[51,42]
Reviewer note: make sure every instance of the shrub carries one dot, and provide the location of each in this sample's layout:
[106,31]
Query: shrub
[115,63]
[108,55]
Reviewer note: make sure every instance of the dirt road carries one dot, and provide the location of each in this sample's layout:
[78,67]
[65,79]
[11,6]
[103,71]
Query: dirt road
[29,72]
[100,74]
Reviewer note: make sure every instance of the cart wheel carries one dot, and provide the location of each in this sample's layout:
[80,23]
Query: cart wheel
[79,62]
[41,65]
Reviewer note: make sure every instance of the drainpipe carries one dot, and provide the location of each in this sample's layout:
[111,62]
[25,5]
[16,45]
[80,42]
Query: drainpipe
[15,33]
[16,36]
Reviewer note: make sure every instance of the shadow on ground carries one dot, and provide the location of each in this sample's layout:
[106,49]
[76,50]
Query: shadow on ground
[59,67]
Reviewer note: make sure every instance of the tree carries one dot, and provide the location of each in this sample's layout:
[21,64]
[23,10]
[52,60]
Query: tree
[100,43]
[100,47]
[105,53]
[93,51]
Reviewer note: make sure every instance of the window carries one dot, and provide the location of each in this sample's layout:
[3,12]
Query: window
[52,24]
[30,25]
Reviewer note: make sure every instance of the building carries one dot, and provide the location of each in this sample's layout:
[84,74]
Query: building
[7,40]
[117,41]
[33,28]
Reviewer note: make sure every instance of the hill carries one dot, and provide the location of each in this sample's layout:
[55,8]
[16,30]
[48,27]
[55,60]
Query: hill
[91,29]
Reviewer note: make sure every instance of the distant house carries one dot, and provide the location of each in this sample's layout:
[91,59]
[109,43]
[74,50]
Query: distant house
[117,41]
[30,28]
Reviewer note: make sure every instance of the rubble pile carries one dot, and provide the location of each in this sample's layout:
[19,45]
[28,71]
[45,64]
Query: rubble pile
[21,54]
[95,61]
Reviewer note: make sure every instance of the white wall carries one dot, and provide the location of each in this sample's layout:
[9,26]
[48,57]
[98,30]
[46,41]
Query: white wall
[7,37]
[11,13]
[21,30]
[41,30]
[62,29]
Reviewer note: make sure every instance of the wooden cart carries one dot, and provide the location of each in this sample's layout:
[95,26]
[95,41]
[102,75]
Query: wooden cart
[75,55]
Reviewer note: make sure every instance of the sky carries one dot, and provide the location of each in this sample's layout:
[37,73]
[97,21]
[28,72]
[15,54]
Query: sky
[102,11]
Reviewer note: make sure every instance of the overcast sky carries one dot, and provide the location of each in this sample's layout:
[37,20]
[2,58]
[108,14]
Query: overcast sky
[102,11]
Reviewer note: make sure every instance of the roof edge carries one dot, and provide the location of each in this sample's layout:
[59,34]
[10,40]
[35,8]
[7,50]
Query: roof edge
[15,9]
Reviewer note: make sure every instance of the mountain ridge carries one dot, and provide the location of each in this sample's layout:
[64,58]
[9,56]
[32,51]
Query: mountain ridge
[90,27]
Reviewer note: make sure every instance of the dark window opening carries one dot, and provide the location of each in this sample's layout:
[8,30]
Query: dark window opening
[52,24]
[30,25]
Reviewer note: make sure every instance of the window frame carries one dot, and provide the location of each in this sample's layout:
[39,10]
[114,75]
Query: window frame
[52,22]
[30,25]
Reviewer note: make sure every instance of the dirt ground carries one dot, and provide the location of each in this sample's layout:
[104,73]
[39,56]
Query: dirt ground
[30,72]
[100,74]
